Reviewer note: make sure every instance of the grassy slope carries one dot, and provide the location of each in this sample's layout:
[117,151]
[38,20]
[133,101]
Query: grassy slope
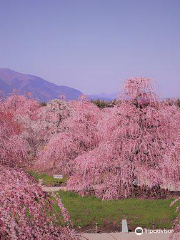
[87,211]
[47,179]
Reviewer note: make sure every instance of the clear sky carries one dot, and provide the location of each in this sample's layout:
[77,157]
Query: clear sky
[93,45]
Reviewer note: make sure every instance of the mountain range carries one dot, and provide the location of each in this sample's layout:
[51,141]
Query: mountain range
[40,89]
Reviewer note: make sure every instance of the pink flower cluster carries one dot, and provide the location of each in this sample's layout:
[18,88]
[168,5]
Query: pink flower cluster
[27,213]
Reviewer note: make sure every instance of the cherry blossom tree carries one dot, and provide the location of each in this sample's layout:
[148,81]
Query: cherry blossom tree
[13,149]
[78,135]
[175,235]
[21,106]
[171,172]
[39,123]
[28,213]
[135,139]
[25,113]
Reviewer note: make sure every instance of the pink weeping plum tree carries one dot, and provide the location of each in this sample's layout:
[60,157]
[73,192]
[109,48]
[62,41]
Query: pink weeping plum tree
[13,150]
[39,123]
[28,213]
[134,144]
[25,112]
[25,211]
[78,135]
[22,105]
[175,235]
[171,172]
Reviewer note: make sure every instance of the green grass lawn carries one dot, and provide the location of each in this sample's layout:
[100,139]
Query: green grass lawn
[47,179]
[87,211]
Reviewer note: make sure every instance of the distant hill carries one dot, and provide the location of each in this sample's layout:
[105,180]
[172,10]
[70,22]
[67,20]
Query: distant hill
[40,89]
[104,96]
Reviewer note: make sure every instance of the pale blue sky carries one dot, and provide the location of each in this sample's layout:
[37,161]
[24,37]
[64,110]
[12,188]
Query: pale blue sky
[93,45]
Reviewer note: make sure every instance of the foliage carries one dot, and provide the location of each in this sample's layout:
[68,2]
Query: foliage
[43,104]
[104,104]
[178,102]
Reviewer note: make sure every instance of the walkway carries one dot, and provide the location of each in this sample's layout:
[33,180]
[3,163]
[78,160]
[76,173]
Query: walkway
[53,189]
[125,236]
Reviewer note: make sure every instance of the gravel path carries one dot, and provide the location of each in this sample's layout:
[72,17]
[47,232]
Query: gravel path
[53,189]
